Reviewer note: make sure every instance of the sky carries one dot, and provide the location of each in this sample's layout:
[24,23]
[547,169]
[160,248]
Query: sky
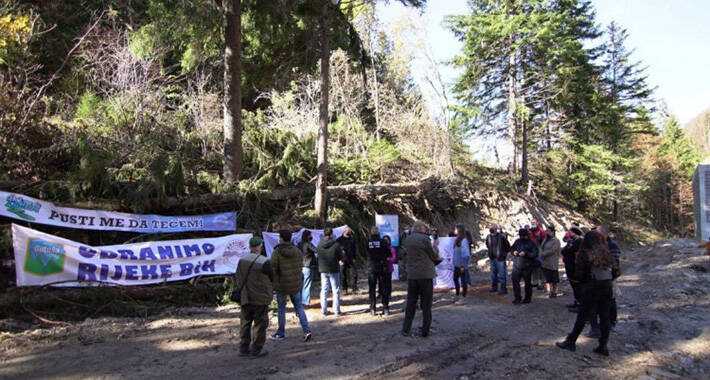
[670,37]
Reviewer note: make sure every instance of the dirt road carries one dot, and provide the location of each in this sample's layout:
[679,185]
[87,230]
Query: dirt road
[663,333]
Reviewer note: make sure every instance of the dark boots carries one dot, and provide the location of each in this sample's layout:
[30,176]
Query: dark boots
[567,345]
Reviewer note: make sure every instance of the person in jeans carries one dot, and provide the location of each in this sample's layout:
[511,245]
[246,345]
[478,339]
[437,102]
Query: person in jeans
[595,271]
[461,259]
[377,254]
[498,248]
[330,253]
[391,261]
[525,254]
[421,258]
[253,277]
[348,268]
[286,262]
[310,266]
[550,255]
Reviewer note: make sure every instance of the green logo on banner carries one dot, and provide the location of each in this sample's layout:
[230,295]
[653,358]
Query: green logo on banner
[44,258]
[20,206]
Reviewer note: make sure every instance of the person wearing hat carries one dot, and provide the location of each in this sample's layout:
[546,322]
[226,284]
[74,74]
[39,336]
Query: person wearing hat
[550,254]
[524,254]
[253,279]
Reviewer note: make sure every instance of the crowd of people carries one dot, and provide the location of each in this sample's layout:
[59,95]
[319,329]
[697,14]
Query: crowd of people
[591,262]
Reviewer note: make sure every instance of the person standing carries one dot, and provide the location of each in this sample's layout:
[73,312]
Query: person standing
[348,269]
[498,248]
[569,254]
[330,253]
[461,259]
[286,262]
[615,250]
[595,270]
[253,278]
[420,260]
[377,254]
[525,254]
[310,266]
[391,261]
[550,254]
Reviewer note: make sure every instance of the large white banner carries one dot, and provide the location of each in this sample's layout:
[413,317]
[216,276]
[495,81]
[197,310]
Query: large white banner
[445,270]
[388,225]
[272,239]
[33,210]
[42,259]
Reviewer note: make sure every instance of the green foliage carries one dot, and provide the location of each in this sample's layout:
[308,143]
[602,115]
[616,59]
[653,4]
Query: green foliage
[677,147]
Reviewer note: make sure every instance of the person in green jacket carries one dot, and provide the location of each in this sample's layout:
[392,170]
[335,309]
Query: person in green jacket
[286,262]
[253,278]
[421,259]
[330,254]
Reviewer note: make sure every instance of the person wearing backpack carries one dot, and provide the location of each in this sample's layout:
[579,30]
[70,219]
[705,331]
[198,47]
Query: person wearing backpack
[596,269]
[253,282]
[330,254]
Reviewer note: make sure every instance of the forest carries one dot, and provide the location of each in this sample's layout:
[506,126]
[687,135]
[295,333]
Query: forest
[130,101]
[276,120]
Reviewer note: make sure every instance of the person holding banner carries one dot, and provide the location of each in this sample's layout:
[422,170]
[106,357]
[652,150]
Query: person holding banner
[330,253]
[421,260]
[310,266]
[462,258]
[253,278]
[286,262]
[377,253]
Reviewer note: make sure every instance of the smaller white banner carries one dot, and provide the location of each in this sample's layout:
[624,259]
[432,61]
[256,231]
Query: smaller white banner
[272,239]
[42,259]
[445,270]
[388,225]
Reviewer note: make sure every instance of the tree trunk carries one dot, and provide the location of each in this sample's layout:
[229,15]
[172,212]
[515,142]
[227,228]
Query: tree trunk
[322,178]
[512,125]
[232,126]
[524,175]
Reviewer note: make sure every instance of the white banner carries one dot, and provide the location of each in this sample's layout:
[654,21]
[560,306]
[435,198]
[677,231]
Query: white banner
[42,259]
[272,239]
[445,270]
[388,225]
[33,210]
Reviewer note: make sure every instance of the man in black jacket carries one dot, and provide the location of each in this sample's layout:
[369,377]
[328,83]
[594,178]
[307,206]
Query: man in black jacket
[348,269]
[524,253]
[573,238]
[498,248]
[377,253]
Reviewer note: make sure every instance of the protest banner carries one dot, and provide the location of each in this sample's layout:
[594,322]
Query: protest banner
[388,225]
[42,259]
[445,270]
[272,239]
[33,210]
